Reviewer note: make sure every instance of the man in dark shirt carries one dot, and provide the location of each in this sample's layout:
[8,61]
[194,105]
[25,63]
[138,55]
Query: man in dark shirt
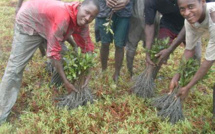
[171,24]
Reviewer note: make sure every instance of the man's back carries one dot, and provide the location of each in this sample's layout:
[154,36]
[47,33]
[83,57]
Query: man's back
[51,19]
[41,16]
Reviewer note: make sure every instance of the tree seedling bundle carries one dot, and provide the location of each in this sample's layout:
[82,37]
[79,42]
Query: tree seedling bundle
[170,106]
[144,84]
[76,67]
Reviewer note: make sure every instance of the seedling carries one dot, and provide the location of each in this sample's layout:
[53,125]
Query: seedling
[144,86]
[168,105]
[108,24]
[76,68]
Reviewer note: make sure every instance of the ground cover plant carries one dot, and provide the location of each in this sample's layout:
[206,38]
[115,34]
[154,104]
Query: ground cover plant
[116,110]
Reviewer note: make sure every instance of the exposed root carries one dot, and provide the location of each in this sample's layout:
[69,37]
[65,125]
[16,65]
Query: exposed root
[169,107]
[173,111]
[144,86]
[76,99]
[163,101]
[56,79]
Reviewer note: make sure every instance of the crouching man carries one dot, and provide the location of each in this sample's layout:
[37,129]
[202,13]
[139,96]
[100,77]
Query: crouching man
[199,19]
[37,22]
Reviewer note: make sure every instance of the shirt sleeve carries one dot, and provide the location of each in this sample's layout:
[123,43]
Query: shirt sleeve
[150,11]
[83,40]
[210,50]
[55,37]
[192,36]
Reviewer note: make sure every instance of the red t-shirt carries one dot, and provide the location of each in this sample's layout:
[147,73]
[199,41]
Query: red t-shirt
[54,21]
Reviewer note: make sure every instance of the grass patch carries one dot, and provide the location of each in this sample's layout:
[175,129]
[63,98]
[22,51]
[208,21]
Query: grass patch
[115,109]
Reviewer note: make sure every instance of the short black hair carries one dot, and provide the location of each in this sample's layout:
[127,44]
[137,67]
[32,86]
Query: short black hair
[95,2]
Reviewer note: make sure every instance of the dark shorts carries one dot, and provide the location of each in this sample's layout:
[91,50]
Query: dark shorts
[164,33]
[120,28]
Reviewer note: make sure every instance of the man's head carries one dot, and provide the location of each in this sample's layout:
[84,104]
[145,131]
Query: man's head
[87,12]
[192,10]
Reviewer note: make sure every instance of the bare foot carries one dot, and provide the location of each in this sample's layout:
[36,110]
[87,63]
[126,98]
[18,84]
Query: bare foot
[115,77]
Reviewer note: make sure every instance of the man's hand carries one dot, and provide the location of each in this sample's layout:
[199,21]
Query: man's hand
[111,3]
[163,56]
[174,83]
[70,87]
[148,60]
[59,67]
[183,92]
[120,4]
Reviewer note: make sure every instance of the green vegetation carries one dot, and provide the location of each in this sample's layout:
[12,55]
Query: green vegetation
[77,64]
[144,84]
[187,70]
[157,46]
[115,110]
[168,105]
[77,67]
[108,24]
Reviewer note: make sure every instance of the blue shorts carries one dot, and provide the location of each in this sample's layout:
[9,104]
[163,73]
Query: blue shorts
[120,28]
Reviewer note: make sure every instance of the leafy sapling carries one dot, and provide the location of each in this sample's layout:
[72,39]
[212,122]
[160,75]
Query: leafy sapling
[144,86]
[77,68]
[108,24]
[168,105]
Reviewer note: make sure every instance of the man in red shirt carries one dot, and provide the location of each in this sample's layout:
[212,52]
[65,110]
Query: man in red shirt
[44,22]
[88,48]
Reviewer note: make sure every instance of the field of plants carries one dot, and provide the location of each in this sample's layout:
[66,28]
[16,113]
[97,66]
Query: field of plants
[115,108]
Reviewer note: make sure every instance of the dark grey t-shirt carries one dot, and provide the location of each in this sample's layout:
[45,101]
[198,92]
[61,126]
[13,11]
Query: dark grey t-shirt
[171,17]
[105,10]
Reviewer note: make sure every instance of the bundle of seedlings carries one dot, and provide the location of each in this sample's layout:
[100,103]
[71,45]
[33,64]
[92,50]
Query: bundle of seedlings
[144,84]
[170,106]
[77,68]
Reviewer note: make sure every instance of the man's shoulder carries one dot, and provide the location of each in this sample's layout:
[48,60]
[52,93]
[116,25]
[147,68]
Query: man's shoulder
[211,7]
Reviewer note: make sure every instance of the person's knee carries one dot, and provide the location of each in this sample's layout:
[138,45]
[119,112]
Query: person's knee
[120,43]
[105,45]
[14,70]
[119,47]
[130,53]
[131,46]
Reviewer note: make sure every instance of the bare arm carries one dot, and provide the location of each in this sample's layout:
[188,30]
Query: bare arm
[149,33]
[174,82]
[72,42]
[202,71]
[180,38]
[205,66]
[59,67]
[164,54]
